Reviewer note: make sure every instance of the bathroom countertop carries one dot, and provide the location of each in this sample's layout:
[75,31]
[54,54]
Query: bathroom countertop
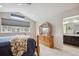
[72,35]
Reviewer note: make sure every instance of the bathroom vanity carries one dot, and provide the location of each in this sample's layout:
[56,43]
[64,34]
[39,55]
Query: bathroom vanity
[71,39]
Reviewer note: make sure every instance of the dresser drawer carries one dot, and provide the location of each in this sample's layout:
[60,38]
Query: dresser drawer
[46,40]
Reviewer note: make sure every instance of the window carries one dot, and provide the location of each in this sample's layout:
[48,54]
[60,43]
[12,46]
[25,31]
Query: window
[14,26]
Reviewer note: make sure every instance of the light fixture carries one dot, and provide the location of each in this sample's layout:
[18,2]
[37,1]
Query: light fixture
[75,21]
[1,6]
[19,4]
[65,22]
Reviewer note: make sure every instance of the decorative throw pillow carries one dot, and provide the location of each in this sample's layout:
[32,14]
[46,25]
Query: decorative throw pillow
[18,45]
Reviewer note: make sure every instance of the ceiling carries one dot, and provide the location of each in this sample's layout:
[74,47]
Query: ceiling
[37,11]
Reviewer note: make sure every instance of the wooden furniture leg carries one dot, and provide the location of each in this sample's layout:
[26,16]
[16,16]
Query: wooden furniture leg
[37,47]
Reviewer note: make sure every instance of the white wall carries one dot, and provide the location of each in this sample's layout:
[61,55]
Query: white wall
[33,29]
[57,25]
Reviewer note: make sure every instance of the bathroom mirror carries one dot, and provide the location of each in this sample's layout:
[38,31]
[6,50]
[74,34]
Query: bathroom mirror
[71,25]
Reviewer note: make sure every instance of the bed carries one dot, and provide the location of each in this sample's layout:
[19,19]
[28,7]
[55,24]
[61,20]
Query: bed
[5,46]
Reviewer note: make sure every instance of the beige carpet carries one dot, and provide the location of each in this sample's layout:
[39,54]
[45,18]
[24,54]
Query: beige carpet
[68,50]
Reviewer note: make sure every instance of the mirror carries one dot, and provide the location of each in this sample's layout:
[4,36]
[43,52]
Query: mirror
[71,25]
[45,29]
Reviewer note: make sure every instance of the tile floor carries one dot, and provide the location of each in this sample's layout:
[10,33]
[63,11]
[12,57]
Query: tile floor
[68,50]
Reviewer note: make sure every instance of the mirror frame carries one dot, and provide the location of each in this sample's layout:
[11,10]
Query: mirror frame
[45,25]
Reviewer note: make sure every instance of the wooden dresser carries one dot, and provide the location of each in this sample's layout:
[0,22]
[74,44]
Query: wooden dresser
[46,40]
[45,35]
